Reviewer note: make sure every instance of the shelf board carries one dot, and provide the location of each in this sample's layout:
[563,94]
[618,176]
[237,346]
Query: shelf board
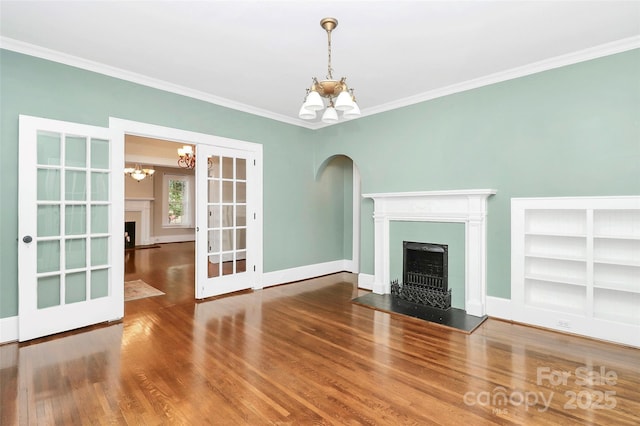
[617,237]
[629,263]
[556,257]
[575,282]
[613,286]
[555,234]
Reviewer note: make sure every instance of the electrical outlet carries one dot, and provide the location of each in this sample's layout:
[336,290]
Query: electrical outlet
[564,324]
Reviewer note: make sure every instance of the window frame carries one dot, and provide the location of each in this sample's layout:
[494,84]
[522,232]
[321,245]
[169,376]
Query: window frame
[187,202]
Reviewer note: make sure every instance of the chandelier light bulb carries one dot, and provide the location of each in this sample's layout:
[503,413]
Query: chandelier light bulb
[330,115]
[344,102]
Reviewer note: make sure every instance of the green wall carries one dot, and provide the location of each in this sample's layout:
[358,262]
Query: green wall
[297,207]
[565,132]
[571,131]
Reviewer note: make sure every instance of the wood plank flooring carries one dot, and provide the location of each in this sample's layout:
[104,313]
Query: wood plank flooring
[304,354]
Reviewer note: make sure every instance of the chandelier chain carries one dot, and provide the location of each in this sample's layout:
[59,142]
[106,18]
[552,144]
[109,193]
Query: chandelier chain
[329,69]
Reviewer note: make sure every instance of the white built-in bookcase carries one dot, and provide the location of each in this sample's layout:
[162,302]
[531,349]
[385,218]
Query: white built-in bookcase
[575,265]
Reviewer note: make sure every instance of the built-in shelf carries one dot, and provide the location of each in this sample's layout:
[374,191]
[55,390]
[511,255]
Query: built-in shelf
[576,265]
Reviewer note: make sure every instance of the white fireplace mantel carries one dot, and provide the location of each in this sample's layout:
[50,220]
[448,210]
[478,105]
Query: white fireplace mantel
[466,206]
[142,206]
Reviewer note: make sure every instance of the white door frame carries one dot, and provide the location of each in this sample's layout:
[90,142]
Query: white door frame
[120,127]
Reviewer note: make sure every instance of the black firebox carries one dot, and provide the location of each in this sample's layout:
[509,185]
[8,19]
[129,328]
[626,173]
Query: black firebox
[424,275]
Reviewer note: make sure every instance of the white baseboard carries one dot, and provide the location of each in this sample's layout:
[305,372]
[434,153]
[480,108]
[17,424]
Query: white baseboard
[303,272]
[174,238]
[365,281]
[499,307]
[8,329]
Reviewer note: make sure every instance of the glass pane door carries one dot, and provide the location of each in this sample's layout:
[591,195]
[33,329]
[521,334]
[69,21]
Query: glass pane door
[65,259]
[227,230]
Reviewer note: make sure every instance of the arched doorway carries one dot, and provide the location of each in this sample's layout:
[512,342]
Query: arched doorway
[343,164]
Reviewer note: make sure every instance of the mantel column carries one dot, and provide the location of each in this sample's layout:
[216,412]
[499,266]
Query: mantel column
[381,283]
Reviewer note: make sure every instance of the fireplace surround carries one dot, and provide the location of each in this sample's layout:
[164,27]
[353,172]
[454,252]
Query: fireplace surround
[465,206]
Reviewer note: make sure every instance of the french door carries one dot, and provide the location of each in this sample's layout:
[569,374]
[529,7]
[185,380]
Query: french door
[69,269]
[227,233]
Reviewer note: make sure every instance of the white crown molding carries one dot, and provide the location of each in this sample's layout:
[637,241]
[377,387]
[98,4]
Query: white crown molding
[74,61]
[595,52]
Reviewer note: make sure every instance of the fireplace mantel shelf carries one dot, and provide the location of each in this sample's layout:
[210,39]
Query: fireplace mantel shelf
[422,194]
[468,206]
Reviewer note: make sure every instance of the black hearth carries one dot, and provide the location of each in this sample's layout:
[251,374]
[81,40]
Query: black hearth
[424,275]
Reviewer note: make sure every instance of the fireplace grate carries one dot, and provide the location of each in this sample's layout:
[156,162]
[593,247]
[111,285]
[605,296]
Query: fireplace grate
[421,295]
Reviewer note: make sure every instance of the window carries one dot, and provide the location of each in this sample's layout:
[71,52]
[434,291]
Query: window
[177,200]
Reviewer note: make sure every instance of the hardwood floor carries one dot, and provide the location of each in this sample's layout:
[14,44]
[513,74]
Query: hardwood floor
[303,354]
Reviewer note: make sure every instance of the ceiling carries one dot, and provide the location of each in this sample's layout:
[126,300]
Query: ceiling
[259,56]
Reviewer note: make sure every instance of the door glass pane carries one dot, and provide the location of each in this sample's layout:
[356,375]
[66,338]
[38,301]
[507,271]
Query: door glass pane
[99,219]
[75,220]
[227,239]
[213,266]
[75,151]
[214,216]
[48,291]
[214,191]
[99,251]
[48,221]
[100,186]
[241,169]
[75,185]
[227,192]
[99,154]
[241,215]
[76,253]
[241,239]
[227,167]
[214,241]
[49,148]
[227,216]
[75,287]
[48,256]
[214,170]
[241,262]
[227,266]
[99,283]
[48,185]
[241,192]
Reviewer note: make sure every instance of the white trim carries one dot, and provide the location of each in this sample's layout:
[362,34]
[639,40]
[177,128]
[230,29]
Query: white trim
[120,126]
[175,238]
[466,206]
[365,281]
[499,307]
[85,64]
[356,213]
[595,52]
[284,276]
[8,329]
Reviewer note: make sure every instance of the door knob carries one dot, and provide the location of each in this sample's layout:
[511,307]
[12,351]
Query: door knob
[27,239]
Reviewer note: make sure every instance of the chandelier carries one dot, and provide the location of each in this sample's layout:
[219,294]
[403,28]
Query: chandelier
[187,158]
[340,97]
[138,173]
